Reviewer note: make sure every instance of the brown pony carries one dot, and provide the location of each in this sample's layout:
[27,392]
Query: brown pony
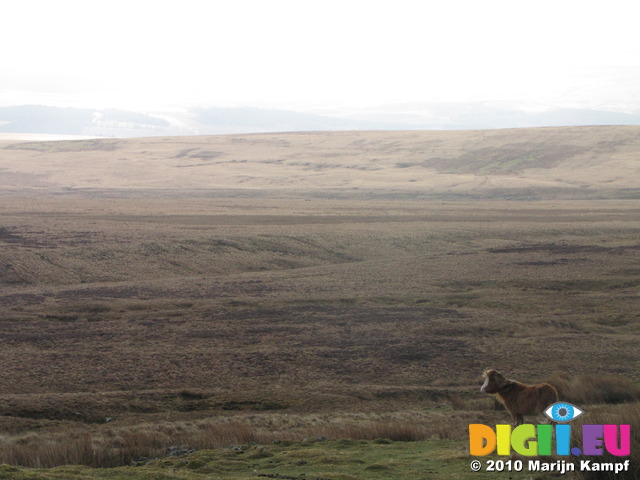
[518,398]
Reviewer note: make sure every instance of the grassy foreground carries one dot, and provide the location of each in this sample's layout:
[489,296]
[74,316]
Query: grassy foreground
[315,460]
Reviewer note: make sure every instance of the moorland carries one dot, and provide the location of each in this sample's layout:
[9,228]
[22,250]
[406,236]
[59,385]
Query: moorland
[329,289]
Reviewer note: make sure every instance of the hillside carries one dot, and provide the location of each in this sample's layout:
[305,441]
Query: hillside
[568,162]
[259,292]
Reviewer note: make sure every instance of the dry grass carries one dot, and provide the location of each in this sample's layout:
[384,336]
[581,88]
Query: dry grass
[619,415]
[519,162]
[185,313]
[593,389]
[120,445]
[395,431]
[457,402]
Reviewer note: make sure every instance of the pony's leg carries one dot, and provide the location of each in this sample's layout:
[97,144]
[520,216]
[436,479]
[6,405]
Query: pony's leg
[514,417]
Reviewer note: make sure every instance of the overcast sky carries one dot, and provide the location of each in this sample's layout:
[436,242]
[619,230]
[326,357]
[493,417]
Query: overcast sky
[317,55]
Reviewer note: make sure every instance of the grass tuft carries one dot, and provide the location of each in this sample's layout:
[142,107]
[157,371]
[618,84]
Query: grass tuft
[614,415]
[595,389]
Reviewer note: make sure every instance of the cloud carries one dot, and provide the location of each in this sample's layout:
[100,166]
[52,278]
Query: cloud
[283,53]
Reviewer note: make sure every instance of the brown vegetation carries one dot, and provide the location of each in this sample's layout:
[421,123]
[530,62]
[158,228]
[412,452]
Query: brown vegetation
[614,415]
[134,318]
[594,389]
[114,445]
[568,162]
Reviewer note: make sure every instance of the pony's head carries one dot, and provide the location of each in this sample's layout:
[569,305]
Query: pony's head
[493,381]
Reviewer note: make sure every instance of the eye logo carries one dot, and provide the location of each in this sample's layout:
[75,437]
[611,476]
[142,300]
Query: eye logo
[563,412]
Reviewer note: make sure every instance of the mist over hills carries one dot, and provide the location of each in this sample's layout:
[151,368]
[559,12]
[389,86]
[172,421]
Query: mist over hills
[40,119]
[482,116]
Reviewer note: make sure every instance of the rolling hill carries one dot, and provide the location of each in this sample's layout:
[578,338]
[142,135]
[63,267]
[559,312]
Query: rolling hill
[195,293]
[567,162]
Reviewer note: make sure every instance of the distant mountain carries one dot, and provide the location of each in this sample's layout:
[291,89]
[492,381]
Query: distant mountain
[197,121]
[38,119]
[481,116]
[80,121]
[266,120]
